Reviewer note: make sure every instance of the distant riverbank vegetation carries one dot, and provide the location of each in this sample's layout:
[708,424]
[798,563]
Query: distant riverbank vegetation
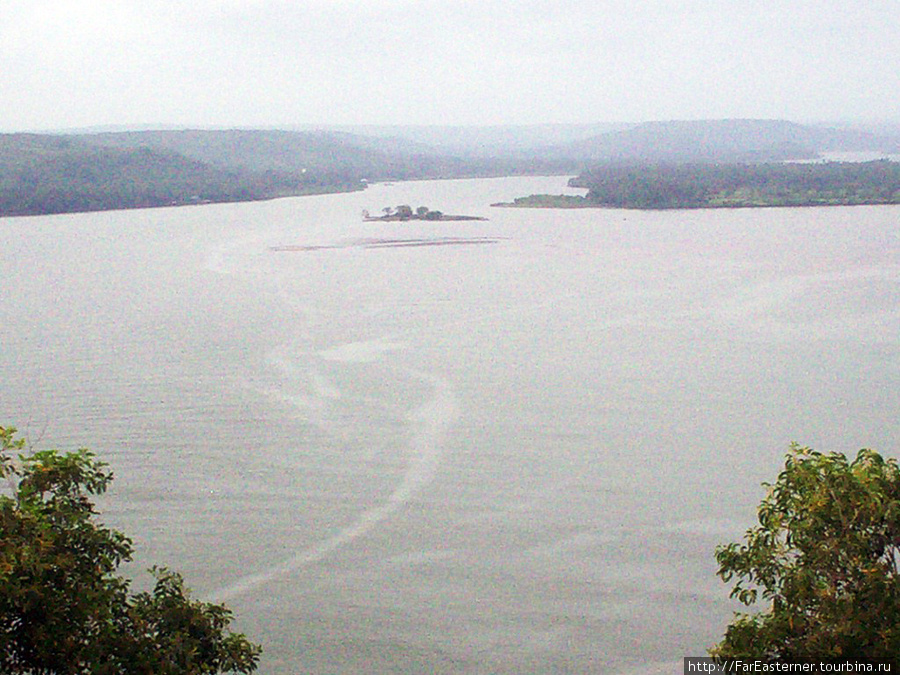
[673,164]
[681,186]
[46,174]
[41,174]
[549,202]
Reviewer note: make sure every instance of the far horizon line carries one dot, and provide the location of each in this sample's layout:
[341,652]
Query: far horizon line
[312,126]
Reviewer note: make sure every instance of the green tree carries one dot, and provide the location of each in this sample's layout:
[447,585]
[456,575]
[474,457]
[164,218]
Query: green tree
[63,610]
[823,560]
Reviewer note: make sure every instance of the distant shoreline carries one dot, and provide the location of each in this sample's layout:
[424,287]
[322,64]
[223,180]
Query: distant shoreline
[548,202]
[657,187]
[106,207]
[543,203]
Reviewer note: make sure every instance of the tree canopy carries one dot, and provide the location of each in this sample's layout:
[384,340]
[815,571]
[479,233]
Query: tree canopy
[63,608]
[824,560]
[672,186]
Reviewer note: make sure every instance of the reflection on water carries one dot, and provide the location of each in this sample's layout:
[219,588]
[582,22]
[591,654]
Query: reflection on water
[393,451]
[389,243]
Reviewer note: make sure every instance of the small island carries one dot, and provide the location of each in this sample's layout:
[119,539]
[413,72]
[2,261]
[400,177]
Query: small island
[405,212]
[709,186]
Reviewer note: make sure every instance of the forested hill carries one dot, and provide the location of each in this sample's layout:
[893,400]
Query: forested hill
[332,156]
[87,172]
[735,140]
[685,141]
[42,174]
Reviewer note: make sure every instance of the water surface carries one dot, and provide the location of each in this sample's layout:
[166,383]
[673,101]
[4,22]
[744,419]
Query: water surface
[507,446]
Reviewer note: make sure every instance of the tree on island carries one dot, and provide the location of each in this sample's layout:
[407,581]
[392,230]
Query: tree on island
[404,212]
[825,560]
[63,610]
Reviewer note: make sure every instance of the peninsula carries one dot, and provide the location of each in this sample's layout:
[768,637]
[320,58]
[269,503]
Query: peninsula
[698,186]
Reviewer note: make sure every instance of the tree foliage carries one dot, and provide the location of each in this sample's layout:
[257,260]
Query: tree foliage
[671,186]
[63,609]
[41,174]
[823,559]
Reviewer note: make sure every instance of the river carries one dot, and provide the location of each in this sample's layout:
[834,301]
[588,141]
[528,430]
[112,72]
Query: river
[509,448]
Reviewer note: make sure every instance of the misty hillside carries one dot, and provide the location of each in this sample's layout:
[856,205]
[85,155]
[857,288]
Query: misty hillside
[42,173]
[494,141]
[341,156]
[328,156]
[81,172]
[583,145]
[60,174]
[724,141]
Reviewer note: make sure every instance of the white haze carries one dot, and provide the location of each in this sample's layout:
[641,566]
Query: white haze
[276,63]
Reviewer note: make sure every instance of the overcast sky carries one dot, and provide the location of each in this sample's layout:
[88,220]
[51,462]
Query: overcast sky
[76,63]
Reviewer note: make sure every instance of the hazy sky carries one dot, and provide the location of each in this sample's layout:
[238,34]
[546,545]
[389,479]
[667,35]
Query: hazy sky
[73,63]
